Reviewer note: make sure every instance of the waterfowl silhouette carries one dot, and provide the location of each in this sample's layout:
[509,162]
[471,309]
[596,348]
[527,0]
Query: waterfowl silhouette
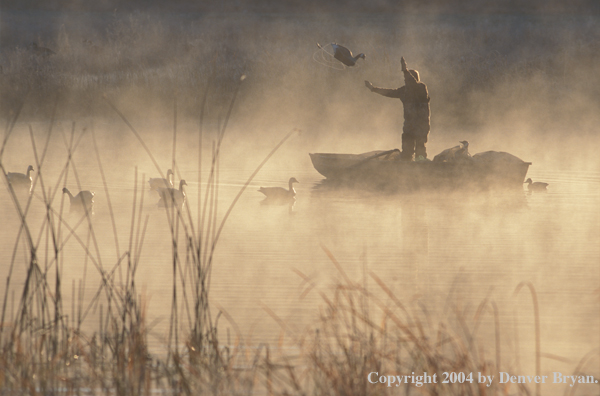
[535,186]
[344,55]
[82,202]
[454,153]
[170,197]
[20,180]
[158,182]
[463,151]
[40,51]
[280,193]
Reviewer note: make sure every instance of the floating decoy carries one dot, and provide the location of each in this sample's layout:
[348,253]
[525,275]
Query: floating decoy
[20,180]
[454,153]
[535,186]
[280,193]
[40,51]
[343,54]
[83,201]
[170,197]
[158,182]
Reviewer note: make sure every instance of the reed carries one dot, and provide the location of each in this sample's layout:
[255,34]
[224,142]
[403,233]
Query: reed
[362,330]
[44,347]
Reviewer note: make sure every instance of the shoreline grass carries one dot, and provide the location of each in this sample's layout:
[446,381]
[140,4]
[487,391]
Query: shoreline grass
[45,348]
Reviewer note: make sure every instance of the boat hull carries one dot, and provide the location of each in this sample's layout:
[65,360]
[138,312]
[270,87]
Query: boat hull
[384,169]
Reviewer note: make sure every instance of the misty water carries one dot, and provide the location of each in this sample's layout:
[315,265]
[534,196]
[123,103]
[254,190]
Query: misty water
[442,253]
[447,251]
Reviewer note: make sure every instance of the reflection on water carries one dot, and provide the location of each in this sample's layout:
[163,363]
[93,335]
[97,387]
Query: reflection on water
[450,250]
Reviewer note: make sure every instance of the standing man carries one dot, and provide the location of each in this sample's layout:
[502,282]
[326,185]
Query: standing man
[415,100]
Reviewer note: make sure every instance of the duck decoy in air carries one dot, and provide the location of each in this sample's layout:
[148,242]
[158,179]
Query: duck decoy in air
[280,193]
[344,55]
[20,180]
[82,202]
[535,186]
[170,197]
[158,182]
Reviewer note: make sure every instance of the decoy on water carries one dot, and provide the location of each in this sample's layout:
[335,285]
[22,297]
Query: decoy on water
[535,186]
[343,54]
[280,193]
[83,201]
[170,197]
[21,180]
[158,182]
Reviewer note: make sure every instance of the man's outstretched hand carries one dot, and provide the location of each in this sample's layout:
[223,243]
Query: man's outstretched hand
[403,63]
[369,85]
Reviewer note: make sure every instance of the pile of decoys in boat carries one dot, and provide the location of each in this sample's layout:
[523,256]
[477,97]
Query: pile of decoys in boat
[452,168]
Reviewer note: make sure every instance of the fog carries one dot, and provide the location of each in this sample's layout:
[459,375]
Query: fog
[523,84]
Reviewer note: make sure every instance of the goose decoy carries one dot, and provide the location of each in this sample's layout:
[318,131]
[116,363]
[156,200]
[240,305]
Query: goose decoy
[20,180]
[40,51]
[463,151]
[457,152]
[158,182]
[280,193]
[344,55]
[535,186]
[170,197]
[83,201]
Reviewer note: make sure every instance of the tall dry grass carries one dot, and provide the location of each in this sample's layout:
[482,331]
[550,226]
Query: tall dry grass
[101,346]
[45,348]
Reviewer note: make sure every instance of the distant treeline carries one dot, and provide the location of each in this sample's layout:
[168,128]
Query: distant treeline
[345,6]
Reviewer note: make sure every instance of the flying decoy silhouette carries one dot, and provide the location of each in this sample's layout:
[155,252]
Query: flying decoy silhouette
[344,55]
[535,186]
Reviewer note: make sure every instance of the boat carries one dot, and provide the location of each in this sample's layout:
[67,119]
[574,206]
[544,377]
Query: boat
[384,169]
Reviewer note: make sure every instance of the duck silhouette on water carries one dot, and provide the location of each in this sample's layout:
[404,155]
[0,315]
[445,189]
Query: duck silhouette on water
[158,183]
[279,194]
[82,202]
[535,186]
[171,197]
[21,181]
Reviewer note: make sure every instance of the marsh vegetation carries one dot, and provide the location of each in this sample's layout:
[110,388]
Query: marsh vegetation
[222,295]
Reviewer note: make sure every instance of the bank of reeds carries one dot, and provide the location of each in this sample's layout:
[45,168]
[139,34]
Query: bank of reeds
[49,346]
[101,346]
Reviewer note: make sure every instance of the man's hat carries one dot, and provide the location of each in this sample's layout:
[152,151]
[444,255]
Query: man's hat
[414,73]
